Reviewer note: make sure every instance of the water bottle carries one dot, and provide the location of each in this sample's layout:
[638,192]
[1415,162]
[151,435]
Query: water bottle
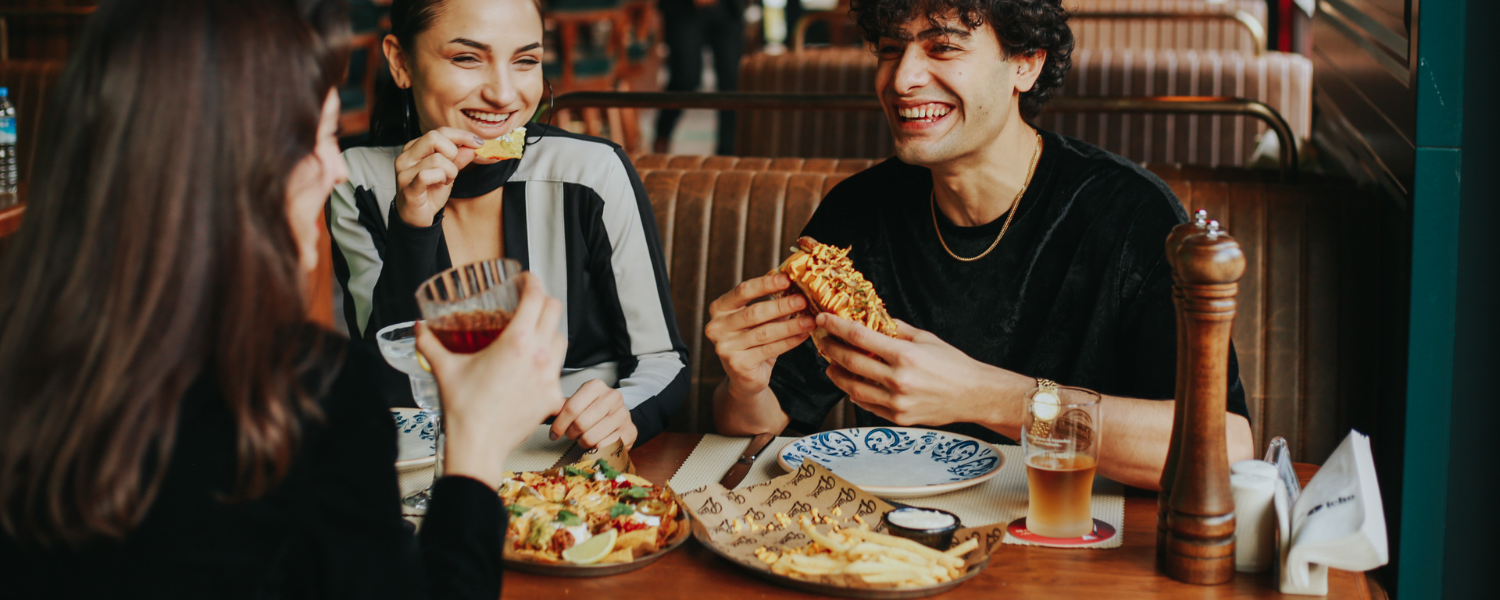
[8,171]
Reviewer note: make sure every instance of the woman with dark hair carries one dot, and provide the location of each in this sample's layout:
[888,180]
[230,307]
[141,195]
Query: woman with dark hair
[572,210]
[171,425]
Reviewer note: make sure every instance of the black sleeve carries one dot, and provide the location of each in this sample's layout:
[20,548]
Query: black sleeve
[664,370]
[462,537]
[1148,325]
[368,550]
[411,257]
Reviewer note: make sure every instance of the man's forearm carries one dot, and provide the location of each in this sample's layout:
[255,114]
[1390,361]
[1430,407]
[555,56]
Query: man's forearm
[751,415]
[1136,435]
[1136,432]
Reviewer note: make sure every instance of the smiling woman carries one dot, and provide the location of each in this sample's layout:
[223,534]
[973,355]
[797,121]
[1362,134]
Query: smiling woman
[572,210]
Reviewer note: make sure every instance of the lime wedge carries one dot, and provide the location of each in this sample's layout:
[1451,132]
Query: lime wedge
[592,549]
[1045,405]
[422,360]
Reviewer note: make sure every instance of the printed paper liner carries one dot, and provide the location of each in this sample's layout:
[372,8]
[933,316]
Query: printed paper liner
[811,486]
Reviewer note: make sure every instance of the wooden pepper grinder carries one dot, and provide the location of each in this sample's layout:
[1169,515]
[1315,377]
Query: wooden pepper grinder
[1169,471]
[1200,520]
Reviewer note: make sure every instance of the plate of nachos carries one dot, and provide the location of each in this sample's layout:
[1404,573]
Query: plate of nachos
[589,519]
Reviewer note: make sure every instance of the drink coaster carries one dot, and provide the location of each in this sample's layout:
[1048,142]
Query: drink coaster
[1102,533]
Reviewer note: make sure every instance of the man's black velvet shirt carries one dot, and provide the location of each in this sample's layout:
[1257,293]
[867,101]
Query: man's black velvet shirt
[1079,290]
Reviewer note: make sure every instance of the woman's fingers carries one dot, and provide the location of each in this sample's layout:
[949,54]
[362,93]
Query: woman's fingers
[529,309]
[439,141]
[578,406]
[592,416]
[432,349]
[613,427]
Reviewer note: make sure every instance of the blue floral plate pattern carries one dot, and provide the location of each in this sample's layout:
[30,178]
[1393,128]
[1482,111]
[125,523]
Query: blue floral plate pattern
[898,462]
[416,441]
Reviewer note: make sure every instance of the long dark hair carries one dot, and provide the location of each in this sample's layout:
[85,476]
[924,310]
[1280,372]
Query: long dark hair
[393,115]
[156,251]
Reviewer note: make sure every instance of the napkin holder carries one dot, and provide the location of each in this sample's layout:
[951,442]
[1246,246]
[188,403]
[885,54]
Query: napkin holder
[1337,521]
[1200,524]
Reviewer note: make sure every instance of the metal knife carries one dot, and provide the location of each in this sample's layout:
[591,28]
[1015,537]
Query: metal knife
[574,452]
[741,467]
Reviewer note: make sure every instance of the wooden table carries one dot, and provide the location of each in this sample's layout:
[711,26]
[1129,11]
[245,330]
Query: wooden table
[1014,572]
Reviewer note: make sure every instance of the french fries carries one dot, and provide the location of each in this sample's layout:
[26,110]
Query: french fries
[857,557]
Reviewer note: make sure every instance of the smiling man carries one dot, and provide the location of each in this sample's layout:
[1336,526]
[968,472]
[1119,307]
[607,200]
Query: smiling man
[1008,253]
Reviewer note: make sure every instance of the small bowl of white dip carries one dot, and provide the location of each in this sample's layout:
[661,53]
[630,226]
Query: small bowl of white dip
[927,526]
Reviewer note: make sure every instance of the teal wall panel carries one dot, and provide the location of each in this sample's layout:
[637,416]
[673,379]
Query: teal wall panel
[1440,74]
[1434,285]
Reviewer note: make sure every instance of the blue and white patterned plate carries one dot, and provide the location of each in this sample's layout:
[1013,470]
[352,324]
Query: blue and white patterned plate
[898,462]
[416,442]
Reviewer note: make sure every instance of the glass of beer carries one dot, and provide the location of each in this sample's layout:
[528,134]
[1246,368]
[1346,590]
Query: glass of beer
[1060,439]
[467,307]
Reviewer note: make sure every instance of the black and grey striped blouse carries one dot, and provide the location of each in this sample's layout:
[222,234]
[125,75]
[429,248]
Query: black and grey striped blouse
[576,214]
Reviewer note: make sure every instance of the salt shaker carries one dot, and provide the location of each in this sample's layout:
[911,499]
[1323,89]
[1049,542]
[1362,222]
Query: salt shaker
[1253,483]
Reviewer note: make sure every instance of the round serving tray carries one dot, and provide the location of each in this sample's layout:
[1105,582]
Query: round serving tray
[844,592]
[684,531]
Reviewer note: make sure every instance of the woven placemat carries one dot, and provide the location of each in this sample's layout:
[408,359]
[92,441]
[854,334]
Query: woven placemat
[714,454]
[1002,499]
[535,454]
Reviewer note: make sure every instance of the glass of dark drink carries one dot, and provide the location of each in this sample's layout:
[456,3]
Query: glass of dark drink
[468,307]
[1060,440]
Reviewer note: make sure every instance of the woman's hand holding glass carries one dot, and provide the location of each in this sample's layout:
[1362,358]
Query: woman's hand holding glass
[493,399]
[425,171]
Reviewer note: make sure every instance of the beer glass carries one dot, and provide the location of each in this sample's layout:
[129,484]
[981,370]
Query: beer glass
[467,307]
[1060,440]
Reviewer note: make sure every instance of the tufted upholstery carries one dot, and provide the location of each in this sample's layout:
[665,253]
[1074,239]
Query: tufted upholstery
[1165,34]
[31,83]
[1296,301]
[1283,81]
[851,134]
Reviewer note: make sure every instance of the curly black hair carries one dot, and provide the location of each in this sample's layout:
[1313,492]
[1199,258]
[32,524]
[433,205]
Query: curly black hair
[1024,27]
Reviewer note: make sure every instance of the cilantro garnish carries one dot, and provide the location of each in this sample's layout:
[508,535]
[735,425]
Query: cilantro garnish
[575,471]
[620,509]
[608,471]
[635,491]
[567,518]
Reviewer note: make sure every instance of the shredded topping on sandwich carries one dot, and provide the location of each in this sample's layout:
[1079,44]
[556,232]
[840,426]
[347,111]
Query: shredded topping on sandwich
[828,278]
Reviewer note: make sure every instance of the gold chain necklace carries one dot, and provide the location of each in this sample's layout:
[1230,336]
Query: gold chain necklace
[1010,214]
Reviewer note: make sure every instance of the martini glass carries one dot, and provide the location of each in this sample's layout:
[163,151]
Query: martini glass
[398,344]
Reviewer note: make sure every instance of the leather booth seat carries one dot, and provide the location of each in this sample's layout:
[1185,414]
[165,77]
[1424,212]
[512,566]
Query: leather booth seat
[1165,32]
[1280,80]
